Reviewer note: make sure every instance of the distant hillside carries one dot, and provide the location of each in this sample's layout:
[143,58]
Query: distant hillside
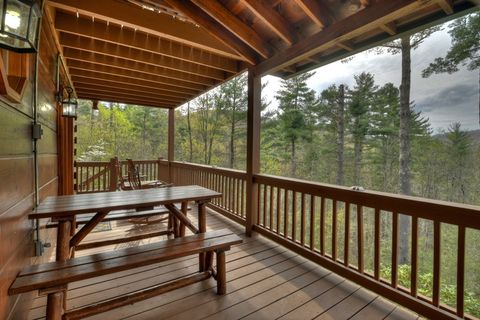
[473,134]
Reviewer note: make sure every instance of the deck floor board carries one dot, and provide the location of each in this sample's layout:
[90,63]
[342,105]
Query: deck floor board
[265,281]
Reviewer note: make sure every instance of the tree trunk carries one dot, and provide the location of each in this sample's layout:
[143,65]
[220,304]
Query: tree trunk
[189,126]
[144,132]
[340,134]
[232,140]
[294,162]
[405,156]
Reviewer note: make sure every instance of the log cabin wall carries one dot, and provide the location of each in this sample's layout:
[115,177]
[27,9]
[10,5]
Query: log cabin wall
[17,163]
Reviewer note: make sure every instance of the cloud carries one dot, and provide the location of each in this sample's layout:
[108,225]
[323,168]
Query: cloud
[449,98]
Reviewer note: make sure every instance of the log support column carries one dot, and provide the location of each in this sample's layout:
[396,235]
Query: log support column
[253,148]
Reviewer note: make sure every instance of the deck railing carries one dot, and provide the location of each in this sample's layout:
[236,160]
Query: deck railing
[356,234]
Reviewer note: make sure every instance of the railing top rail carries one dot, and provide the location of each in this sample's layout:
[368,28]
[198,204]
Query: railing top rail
[91,163]
[226,171]
[443,211]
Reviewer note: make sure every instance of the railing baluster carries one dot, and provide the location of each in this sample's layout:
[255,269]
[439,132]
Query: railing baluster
[322,226]
[436,262]
[258,203]
[414,258]
[334,229]
[461,271]
[360,237]
[271,207]
[285,215]
[278,210]
[294,215]
[302,219]
[376,254]
[243,198]
[265,187]
[346,243]
[312,222]
[394,279]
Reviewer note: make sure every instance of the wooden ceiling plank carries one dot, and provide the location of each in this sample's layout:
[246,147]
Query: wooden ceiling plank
[214,28]
[355,25]
[390,28]
[134,17]
[132,54]
[236,26]
[446,5]
[129,87]
[126,80]
[74,54]
[139,40]
[124,94]
[272,19]
[317,11]
[74,64]
[106,98]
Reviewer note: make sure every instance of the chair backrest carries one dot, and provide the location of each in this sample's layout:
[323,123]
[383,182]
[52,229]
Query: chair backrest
[134,179]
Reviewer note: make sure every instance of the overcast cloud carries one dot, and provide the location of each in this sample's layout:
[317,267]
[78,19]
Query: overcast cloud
[444,98]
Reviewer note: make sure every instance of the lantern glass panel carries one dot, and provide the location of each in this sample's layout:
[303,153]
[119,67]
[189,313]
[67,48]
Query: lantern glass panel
[34,22]
[16,18]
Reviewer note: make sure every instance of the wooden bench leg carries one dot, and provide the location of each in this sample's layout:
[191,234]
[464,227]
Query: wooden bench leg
[55,306]
[208,260]
[221,272]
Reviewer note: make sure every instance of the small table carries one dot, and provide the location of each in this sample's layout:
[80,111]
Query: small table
[64,209]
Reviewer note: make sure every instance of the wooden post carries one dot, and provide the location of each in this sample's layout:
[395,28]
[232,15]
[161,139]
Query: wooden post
[171,142]
[113,174]
[55,306]
[221,272]
[202,228]
[253,148]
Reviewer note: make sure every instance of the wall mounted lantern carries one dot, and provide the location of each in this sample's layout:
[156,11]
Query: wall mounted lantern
[19,24]
[69,105]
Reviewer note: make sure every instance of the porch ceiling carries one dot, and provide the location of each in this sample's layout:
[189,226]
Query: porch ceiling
[163,53]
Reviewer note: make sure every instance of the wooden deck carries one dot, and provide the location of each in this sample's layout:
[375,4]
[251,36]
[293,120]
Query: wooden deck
[265,281]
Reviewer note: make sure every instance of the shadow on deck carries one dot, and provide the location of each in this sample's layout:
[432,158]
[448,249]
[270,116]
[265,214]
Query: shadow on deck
[265,281]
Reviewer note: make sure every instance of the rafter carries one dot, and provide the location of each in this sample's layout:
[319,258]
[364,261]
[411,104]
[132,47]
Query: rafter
[347,45]
[95,58]
[236,26]
[213,28]
[174,84]
[132,54]
[134,17]
[317,11]
[124,94]
[128,80]
[351,27]
[446,5]
[132,92]
[272,19]
[139,40]
[114,99]
[390,28]
[129,87]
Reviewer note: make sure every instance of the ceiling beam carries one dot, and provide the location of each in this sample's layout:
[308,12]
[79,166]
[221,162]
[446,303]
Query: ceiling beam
[174,84]
[90,57]
[390,28]
[134,17]
[213,28]
[139,40]
[317,11]
[108,98]
[129,87]
[236,26]
[347,45]
[123,94]
[128,80]
[132,54]
[272,19]
[353,26]
[446,5]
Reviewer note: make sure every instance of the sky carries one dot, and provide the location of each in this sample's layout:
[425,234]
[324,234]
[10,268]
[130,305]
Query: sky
[443,99]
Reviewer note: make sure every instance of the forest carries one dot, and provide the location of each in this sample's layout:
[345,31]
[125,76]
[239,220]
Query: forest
[369,135]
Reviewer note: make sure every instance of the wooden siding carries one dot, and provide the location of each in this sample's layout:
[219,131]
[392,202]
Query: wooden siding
[17,171]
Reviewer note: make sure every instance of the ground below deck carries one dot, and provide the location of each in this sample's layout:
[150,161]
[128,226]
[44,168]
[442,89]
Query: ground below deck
[265,281]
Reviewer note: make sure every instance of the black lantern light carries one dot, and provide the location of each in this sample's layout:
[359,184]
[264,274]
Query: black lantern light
[19,24]
[69,105]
